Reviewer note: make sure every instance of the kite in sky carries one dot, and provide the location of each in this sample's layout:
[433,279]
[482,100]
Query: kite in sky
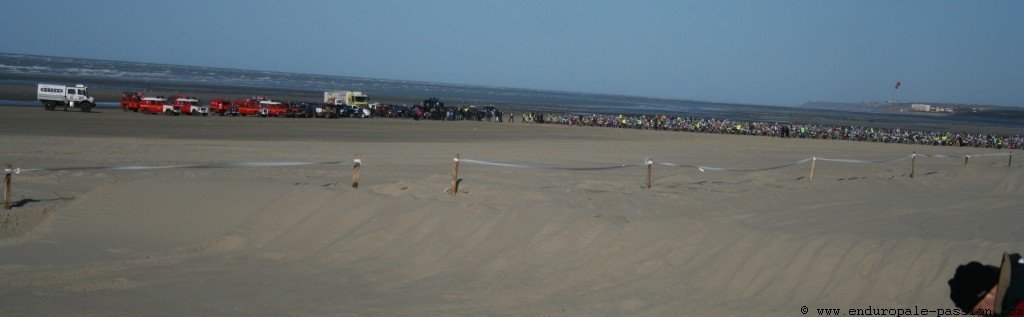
[898,84]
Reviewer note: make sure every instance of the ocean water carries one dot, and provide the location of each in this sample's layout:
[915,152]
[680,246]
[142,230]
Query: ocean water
[16,68]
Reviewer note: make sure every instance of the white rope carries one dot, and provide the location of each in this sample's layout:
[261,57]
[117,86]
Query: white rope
[645,162]
[945,156]
[144,168]
[991,154]
[864,161]
[471,161]
[726,169]
[542,167]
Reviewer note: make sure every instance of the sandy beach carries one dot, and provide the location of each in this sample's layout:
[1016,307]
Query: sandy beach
[299,240]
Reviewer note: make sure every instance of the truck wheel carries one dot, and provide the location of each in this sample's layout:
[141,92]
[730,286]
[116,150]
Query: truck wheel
[49,106]
[87,107]
[194,112]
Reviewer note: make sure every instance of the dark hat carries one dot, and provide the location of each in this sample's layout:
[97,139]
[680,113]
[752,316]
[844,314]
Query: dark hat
[971,283]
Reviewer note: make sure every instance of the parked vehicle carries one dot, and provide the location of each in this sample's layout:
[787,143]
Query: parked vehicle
[60,95]
[130,101]
[360,112]
[261,107]
[188,105]
[250,107]
[157,105]
[433,109]
[349,111]
[326,110]
[223,107]
[274,108]
[303,110]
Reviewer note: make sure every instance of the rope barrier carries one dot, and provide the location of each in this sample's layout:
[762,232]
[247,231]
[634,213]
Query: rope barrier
[702,168]
[546,167]
[143,168]
[357,163]
[944,156]
[991,154]
[726,169]
[865,161]
[723,169]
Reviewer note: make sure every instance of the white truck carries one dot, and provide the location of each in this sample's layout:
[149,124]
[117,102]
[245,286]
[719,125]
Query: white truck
[60,95]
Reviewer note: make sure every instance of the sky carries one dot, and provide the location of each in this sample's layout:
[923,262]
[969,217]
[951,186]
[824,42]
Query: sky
[760,52]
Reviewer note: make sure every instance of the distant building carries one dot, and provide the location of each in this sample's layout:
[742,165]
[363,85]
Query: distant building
[921,107]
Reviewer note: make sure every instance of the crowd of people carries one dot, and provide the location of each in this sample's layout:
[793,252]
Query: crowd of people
[432,109]
[438,112]
[776,129]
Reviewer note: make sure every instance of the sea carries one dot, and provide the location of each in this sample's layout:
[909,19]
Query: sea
[106,74]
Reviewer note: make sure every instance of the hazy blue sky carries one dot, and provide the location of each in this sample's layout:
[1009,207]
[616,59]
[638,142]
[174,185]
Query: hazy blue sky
[766,52]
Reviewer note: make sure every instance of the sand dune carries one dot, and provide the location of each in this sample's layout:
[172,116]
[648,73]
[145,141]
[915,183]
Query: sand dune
[300,241]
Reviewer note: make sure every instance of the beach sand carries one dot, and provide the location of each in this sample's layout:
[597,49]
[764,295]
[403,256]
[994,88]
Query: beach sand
[301,241]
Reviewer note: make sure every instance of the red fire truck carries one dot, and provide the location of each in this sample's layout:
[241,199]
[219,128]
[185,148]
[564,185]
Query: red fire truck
[249,107]
[222,107]
[275,108]
[188,105]
[156,106]
[260,107]
[130,101]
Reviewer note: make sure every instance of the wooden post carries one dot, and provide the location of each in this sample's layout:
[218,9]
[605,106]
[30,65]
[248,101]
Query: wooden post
[357,162]
[455,175]
[913,163]
[966,158]
[7,186]
[650,165]
[813,160]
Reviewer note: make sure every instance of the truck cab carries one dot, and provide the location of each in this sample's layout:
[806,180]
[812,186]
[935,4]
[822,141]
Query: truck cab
[78,95]
[358,99]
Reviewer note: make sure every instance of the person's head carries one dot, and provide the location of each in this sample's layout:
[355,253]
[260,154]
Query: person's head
[973,287]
